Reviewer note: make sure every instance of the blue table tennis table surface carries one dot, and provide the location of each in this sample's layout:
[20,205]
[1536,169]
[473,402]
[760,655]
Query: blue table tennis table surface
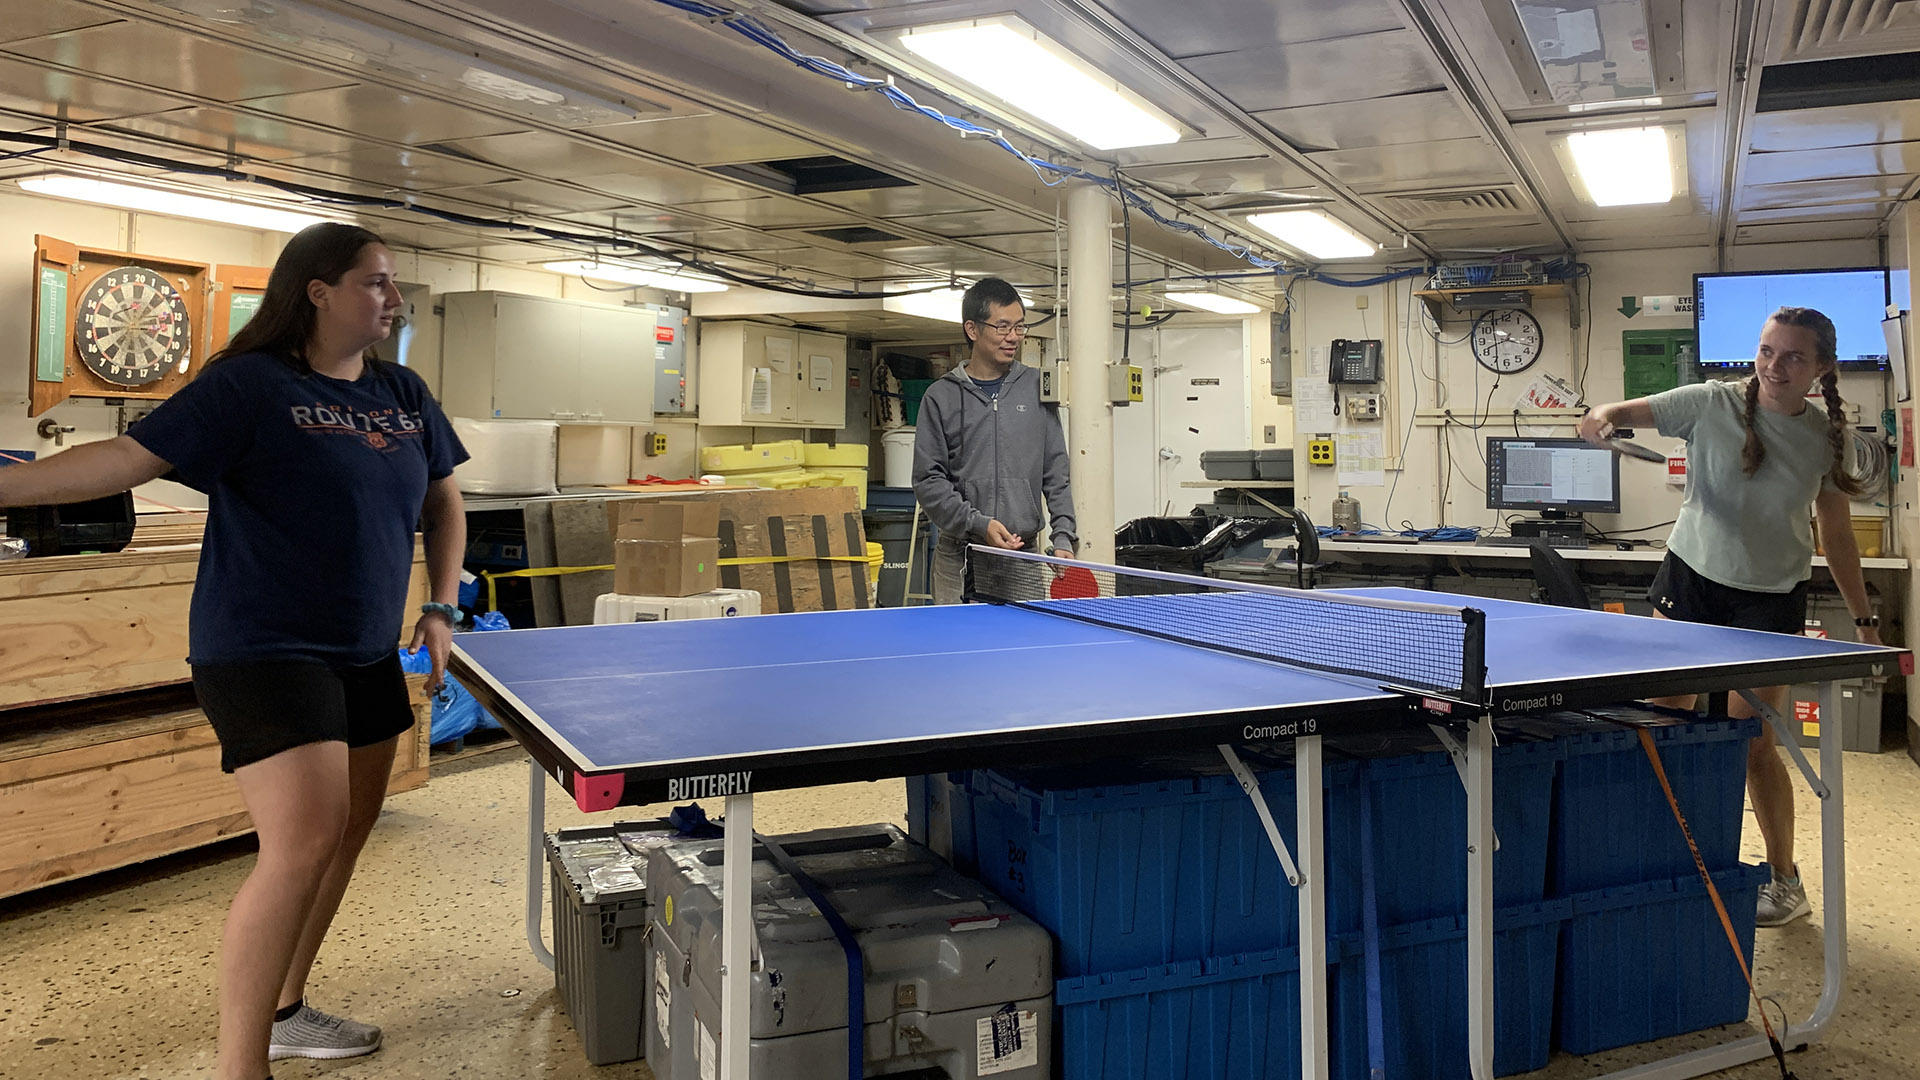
[799,699]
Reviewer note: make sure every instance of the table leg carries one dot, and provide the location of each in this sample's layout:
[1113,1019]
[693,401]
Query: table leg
[736,939]
[536,862]
[1310,805]
[1479,777]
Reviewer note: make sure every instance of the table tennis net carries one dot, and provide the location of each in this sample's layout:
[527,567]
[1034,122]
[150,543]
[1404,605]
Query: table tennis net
[1434,648]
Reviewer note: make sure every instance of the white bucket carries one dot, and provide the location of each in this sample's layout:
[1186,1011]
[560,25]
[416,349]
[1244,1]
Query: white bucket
[896,448]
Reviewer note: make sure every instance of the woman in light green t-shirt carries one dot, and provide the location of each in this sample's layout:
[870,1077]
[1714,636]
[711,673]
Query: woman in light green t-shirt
[1741,551]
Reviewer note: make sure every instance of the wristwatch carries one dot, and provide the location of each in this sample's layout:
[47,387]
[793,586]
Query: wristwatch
[1870,620]
[433,607]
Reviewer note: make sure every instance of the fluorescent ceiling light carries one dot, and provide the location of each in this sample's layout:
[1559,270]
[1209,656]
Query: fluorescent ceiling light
[1207,301]
[942,305]
[172,203]
[623,274]
[1314,233]
[1624,166]
[1012,61]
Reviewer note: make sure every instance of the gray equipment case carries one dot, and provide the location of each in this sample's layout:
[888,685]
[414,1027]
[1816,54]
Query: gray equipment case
[956,979]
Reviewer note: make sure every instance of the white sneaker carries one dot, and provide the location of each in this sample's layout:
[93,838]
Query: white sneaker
[1782,901]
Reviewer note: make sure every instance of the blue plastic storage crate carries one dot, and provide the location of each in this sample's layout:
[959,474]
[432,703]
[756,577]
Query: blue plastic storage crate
[1420,832]
[1236,1016]
[1423,973]
[1612,824]
[1642,962]
[1155,872]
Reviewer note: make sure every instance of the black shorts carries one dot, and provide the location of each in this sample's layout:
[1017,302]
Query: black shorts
[1678,592]
[261,708]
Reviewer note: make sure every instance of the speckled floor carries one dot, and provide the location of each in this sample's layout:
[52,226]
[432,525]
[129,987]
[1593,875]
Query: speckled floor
[112,977]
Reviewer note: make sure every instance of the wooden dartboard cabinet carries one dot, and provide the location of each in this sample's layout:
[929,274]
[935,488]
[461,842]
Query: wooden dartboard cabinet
[110,324]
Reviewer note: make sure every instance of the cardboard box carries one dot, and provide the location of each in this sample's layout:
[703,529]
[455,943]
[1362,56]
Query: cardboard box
[811,539]
[662,519]
[647,567]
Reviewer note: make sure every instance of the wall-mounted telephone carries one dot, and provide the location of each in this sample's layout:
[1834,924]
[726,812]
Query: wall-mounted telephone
[1356,361]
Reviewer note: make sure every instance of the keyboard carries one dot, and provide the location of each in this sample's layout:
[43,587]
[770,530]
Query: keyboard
[1563,543]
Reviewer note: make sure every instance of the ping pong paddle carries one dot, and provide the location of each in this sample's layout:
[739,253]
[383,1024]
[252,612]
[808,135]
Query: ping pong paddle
[1074,583]
[1634,449]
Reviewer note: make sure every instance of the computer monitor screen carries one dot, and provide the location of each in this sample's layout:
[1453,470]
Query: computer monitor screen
[1730,309]
[1552,474]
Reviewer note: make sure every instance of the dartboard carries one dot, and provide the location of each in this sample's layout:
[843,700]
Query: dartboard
[132,327]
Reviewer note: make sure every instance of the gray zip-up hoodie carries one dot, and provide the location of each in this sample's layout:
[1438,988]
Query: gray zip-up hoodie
[978,459]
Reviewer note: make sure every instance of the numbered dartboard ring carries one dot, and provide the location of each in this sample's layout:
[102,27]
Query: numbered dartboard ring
[132,327]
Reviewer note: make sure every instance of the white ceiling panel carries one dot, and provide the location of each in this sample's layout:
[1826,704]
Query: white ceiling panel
[1841,125]
[1039,245]
[1787,167]
[158,56]
[1244,176]
[1823,192]
[900,201]
[967,222]
[535,197]
[1196,27]
[550,154]
[1466,242]
[388,115]
[1352,125]
[32,89]
[1413,166]
[1222,148]
[259,138]
[399,168]
[1797,232]
[49,17]
[767,211]
[1320,72]
[707,139]
[1830,29]
[671,187]
[640,221]
[721,238]
[1815,213]
[1696,230]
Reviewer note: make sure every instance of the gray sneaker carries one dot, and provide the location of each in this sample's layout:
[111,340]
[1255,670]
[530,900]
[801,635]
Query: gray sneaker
[1782,901]
[311,1033]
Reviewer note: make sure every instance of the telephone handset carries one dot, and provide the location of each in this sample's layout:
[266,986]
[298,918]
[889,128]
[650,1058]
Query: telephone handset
[1356,361]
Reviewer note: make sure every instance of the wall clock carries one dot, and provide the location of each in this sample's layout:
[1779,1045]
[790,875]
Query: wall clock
[1506,342]
[131,327]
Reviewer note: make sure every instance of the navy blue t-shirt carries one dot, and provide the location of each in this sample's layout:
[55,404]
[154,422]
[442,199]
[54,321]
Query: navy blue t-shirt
[314,487]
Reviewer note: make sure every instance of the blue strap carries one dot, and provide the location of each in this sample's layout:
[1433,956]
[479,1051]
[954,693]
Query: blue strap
[1370,938]
[856,963]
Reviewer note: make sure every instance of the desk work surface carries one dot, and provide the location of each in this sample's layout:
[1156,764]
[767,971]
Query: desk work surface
[673,710]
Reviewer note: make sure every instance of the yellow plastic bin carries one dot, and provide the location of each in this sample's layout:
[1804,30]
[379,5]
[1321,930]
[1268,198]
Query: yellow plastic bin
[756,457]
[843,456]
[777,479]
[834,477]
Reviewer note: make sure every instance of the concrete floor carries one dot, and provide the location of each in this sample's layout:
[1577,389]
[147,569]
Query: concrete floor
[113,976]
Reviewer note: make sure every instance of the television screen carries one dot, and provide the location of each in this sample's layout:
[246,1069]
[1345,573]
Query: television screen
[1729,310]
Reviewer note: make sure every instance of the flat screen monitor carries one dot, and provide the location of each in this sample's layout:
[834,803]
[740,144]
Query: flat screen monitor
[1730,309]
[1567,475]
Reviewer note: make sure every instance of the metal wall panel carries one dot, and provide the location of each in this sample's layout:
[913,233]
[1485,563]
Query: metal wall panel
[1199,27]
[1352,125]
[1842,125]
[1320,72]
[388,115]
[707,139]
[158,56]
[27,87]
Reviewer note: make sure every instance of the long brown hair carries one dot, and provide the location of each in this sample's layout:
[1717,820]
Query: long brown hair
[284,323]
[1826,344]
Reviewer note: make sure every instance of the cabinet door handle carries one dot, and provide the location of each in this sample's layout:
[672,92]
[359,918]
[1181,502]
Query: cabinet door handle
[562,414]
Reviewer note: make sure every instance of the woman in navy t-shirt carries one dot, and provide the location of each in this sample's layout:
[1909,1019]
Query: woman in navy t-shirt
[317,461]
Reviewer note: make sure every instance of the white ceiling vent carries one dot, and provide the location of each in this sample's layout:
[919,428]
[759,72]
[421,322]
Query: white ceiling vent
[1457,206]
[1828,29]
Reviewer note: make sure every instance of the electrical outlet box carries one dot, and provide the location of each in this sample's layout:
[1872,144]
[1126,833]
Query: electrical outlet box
[1360,301]
[654,443]
[1363,406]
[1271,433]
[1050,381]
[1319,451]
[1126,383]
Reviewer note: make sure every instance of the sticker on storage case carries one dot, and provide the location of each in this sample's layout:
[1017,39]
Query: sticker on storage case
[662,998]
[1005,1041]
[709,1056]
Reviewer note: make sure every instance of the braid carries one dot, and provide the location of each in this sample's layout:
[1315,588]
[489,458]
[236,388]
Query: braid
[1753,453]
[1837,434]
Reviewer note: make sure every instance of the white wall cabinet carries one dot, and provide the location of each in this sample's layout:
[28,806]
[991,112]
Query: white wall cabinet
[771,376]
[510,356]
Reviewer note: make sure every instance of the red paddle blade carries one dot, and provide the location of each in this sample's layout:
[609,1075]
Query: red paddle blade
[1076,583]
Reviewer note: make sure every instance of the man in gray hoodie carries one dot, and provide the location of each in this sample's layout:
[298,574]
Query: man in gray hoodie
[986,449]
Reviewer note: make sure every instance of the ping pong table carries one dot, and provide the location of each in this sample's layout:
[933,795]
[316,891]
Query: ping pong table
[644,713]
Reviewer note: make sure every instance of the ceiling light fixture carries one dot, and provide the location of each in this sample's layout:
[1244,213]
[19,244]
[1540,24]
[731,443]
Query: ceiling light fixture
[1313,233]
[624,274]
[1623,166]
[1209,301]
[1017,64]
[153,200]
[942,305]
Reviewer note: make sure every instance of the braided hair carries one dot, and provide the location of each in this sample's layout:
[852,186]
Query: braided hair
[1827,346]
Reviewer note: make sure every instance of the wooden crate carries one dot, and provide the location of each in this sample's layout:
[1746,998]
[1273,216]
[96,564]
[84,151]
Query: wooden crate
[90,786]
[76,626]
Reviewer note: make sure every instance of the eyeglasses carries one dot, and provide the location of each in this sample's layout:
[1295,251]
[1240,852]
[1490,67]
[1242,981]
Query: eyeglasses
[1002,329]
